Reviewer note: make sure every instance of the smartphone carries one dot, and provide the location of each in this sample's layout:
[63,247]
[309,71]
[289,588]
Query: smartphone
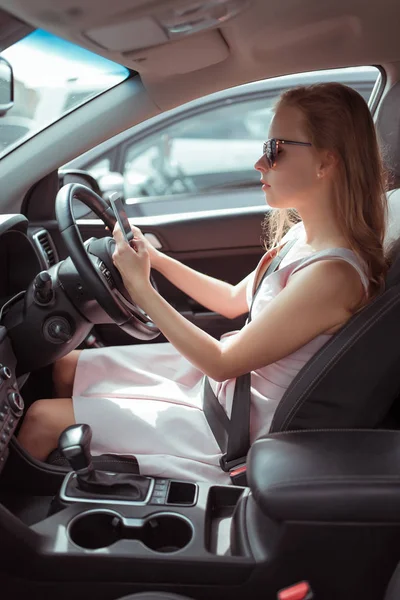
[121,216]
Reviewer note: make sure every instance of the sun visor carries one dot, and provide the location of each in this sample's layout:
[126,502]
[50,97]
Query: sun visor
[130,35]
[190,54]
[161,23]
[171,39]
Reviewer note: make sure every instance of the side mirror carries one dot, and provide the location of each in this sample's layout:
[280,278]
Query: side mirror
[6,86]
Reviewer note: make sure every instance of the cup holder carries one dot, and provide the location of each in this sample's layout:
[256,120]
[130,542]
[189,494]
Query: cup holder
[163,532]
[166,533]
[97,529]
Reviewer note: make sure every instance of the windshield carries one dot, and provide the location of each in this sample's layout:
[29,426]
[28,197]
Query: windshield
[51,77]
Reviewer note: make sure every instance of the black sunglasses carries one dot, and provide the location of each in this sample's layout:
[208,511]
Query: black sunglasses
[271,149]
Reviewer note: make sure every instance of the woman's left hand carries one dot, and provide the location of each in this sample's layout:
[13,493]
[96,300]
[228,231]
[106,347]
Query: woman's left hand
[133,263]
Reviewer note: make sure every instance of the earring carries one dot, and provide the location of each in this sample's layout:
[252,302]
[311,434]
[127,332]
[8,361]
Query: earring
[319,175]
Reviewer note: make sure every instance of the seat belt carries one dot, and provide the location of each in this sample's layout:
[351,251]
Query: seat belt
[233,435]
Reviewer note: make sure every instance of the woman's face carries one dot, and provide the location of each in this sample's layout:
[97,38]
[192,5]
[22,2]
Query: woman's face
[295,178]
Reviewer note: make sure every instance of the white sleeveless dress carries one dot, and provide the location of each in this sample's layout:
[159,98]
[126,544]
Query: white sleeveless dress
[146,400]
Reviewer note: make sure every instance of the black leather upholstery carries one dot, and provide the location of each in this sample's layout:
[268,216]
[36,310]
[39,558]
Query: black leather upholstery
[354,379]
[327,476]
[393,591]
[105,462]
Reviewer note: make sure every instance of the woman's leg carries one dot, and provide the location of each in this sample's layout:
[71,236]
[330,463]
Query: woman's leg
[43,424]
[64,374]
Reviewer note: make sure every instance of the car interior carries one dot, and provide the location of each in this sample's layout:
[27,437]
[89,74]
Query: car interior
[319,513]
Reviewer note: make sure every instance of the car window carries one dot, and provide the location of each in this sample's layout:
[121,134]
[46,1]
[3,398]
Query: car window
[184,161]
[52,76]
[207,150]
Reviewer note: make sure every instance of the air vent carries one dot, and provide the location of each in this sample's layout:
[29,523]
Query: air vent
[46,247]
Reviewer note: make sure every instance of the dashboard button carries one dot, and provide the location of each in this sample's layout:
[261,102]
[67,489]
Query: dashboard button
[157,501]
[159,494]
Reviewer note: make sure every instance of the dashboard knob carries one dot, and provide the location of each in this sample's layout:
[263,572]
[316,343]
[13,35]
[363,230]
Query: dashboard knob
[16,403]
[5,372]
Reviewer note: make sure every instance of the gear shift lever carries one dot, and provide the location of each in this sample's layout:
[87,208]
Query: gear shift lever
[74,445]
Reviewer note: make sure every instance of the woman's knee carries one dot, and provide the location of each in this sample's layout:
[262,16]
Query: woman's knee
[48,416]
[43,424]
[64,371]
[39,414]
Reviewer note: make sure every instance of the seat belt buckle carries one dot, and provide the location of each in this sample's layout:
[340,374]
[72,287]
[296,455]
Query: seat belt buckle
[238,475]
[299,591]
[229,465]
[236,468]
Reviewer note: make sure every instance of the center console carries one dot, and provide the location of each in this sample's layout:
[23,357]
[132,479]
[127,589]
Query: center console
[320,506]
[185,523]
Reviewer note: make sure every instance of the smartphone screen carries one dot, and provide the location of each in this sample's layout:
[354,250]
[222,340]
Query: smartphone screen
[121,216]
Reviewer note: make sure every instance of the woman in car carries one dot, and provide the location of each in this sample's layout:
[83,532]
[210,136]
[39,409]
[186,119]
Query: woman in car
[323,160]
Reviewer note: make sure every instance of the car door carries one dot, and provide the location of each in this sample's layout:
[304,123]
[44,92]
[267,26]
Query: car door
[189,183]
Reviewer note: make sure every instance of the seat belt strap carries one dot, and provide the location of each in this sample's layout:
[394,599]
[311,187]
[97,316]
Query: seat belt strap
[233,435]
[239,425]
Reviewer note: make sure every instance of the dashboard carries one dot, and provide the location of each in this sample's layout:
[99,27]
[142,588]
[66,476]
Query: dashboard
[19,263]
[23,254]
[26,249]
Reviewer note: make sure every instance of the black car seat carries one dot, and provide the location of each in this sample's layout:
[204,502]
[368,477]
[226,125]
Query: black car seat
[393,591]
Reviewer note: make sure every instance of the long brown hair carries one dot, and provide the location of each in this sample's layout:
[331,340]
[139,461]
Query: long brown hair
[337,118]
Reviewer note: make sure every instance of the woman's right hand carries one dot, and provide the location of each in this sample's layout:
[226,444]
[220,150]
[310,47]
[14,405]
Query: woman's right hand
[155,255]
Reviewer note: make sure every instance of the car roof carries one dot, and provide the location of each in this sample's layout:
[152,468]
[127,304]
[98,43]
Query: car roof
[255,43]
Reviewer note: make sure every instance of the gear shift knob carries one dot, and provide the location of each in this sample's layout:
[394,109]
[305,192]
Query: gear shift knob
[74,445]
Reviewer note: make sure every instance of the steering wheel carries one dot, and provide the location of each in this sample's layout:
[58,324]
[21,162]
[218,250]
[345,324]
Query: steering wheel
[93,261]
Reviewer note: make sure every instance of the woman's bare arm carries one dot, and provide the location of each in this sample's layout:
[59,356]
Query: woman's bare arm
[218,296]
[316,299]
